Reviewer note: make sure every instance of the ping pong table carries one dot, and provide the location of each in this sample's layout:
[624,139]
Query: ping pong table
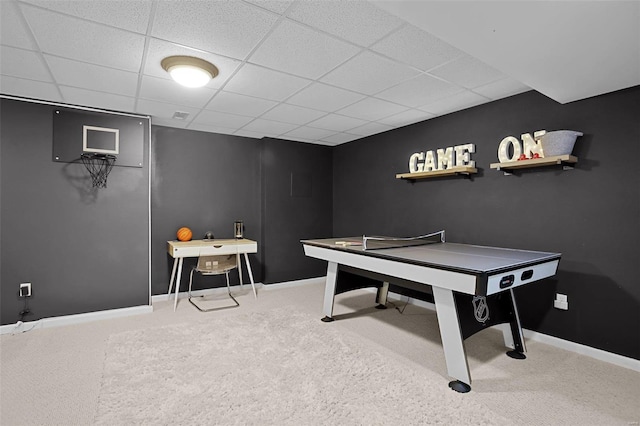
[472,286]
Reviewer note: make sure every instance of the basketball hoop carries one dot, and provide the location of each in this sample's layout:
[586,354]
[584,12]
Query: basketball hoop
[99,167]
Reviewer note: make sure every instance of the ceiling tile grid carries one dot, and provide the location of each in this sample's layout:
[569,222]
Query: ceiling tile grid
[22,63]
[124,14]
[325,72]
[89,98]
[78,39]
[302,51]
[357,21]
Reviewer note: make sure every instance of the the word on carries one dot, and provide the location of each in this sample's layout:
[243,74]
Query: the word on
[530,148]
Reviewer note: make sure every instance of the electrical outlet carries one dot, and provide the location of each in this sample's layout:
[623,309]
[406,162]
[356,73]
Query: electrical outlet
[25,290]
[561,302]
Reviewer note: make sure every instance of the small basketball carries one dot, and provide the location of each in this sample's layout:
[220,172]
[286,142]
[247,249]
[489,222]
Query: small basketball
[184,234]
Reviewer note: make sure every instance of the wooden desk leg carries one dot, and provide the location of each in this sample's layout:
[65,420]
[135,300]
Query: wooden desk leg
[452,341]
[253,285]
[239,264]
[330,291]
[173,275]
[175,303]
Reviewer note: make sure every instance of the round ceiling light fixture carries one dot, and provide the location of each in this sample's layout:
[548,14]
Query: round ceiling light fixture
[189,71]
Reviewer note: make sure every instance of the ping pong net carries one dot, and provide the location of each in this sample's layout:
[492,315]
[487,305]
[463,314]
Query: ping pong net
[378,243]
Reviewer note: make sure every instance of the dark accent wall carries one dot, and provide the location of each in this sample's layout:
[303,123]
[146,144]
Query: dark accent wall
[589,214]
[83,249]
[207,181]
[297,204]
[204,181]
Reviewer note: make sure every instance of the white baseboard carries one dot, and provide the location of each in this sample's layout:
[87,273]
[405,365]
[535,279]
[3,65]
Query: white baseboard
[204,292]
[599,354]
[74,319]
[296,283]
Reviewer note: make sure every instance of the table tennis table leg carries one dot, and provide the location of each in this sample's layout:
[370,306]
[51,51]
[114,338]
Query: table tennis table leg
[330,291]
[517,338]
[381,296]
[452,341]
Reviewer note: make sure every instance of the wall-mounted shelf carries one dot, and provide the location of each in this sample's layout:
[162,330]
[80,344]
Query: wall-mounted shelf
[465,170]
[537,162]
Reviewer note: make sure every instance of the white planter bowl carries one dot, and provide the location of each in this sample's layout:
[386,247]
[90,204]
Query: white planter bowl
[559,142]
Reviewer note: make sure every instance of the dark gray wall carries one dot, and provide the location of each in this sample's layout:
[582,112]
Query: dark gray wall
[203,181]
[83,249]
[589,214]
[207,181]
[297,204]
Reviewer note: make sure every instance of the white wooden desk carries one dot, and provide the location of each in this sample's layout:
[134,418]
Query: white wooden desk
[196,248]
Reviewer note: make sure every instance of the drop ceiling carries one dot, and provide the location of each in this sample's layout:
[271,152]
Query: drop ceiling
[325,72]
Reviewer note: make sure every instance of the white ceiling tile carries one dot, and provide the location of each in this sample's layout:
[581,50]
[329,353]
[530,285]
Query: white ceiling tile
[165,111]
[125,14]
[29,89]
[419,91]
[277,6]
[94,51]
[407,117]
[85,41]
[23,63]
[295,139]
[372,109]
[239,104]
[457,102]
[92,77]
[502,88]
[336,122]
[230,28]
[221,119]
[322,142]
[416,47]
[323,97]
[566,50]
[467,72]
[213,129]
[159,89]
[269,127]
[13,29]
[259,82]
[369,73]
[293,114]
[159,49]
[76,96]
[255,135]
[357,21]
[370,129]
[339,138]
[301,51]
[167,122]
[309,133]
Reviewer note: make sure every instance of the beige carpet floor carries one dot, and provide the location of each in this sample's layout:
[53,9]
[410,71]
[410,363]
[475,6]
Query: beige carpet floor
[271,361]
